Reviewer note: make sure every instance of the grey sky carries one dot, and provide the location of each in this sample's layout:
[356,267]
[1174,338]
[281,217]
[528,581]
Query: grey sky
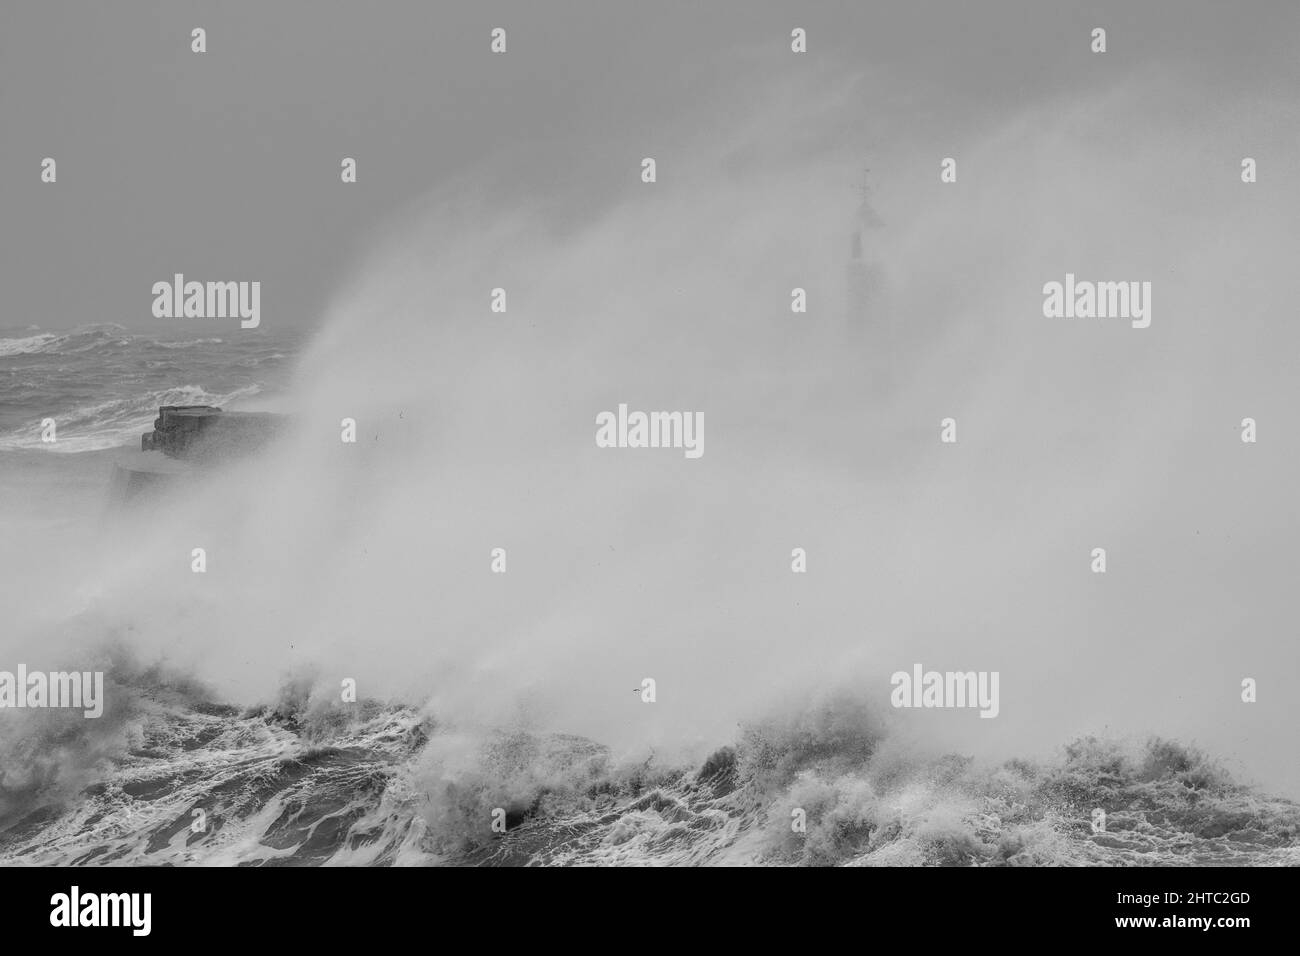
[226,164]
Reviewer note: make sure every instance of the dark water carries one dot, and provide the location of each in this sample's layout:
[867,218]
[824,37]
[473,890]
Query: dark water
[103,385]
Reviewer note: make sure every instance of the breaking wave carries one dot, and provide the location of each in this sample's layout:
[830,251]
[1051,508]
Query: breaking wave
[27,345]
[170,776]
[78,340]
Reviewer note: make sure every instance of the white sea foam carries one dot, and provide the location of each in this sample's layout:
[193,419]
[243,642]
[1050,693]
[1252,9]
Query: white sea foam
[29,344]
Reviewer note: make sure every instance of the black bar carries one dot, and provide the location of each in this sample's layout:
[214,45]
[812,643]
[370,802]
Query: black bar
[332,905]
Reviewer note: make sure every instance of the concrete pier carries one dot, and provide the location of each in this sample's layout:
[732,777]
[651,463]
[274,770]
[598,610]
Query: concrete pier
[205,432]
[185,439]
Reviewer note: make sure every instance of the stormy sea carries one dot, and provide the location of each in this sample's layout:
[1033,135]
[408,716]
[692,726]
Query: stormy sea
[437,621]
[289,784]
[176,773]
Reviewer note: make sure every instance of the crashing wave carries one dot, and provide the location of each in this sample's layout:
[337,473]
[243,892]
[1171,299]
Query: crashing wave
[78,340]
[306,781]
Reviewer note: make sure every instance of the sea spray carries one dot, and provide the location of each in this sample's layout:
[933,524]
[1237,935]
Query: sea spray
[369,559]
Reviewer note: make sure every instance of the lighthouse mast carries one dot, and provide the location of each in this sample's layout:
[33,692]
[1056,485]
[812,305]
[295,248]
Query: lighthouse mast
[867,321]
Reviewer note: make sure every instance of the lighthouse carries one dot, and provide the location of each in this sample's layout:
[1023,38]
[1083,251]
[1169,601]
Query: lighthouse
[867,319]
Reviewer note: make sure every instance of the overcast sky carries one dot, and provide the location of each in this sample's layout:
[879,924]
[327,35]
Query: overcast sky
[226,164]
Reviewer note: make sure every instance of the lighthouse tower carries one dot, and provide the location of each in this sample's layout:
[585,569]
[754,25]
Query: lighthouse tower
[867,319]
